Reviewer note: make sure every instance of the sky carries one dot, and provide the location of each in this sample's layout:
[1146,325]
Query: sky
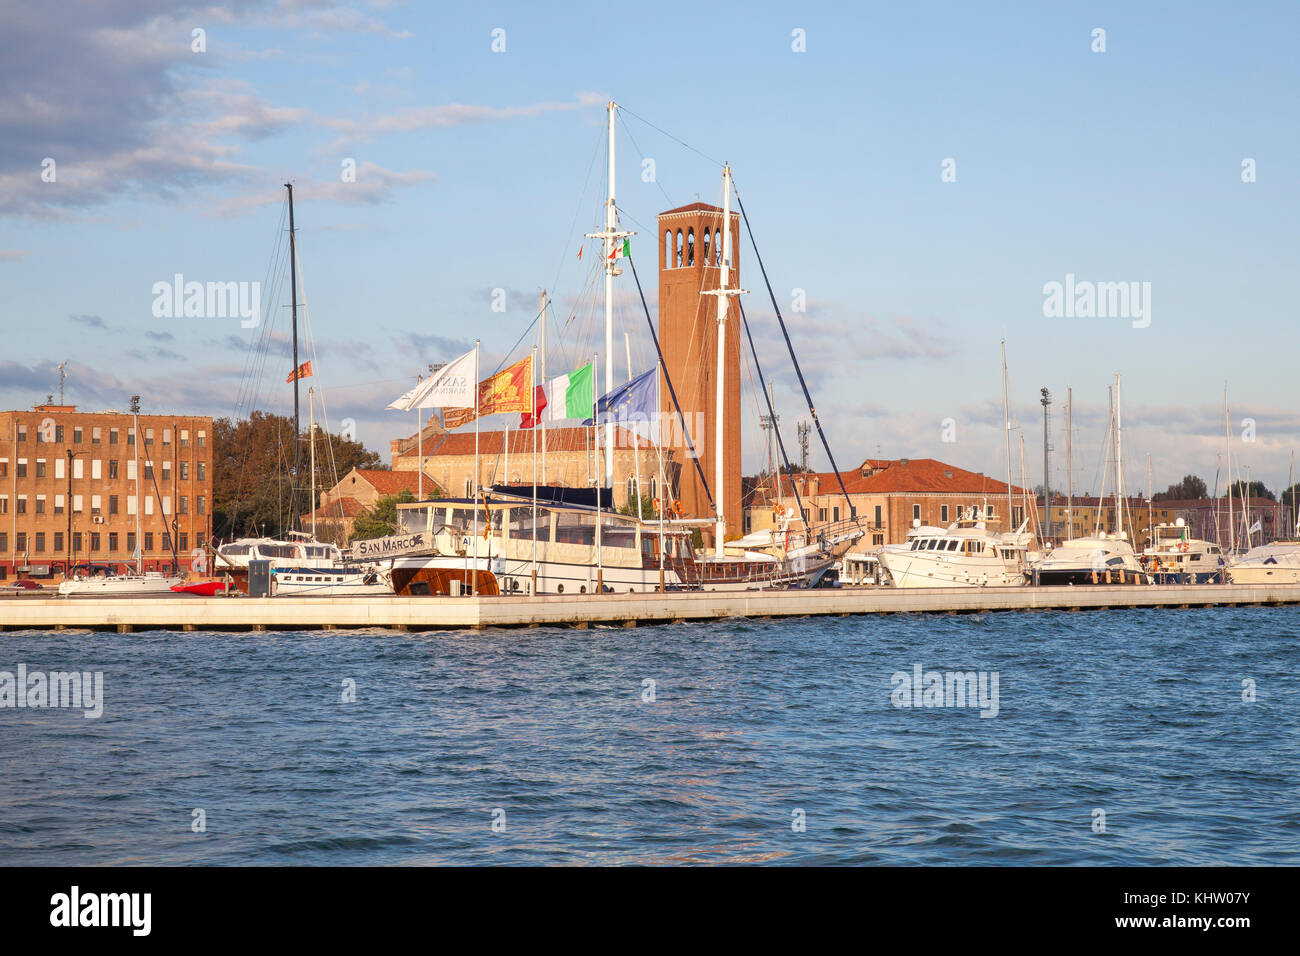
[916,174]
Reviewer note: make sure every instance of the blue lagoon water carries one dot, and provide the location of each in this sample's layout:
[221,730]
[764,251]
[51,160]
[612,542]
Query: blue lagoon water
[754,728]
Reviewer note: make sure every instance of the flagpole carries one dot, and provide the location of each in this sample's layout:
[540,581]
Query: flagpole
[636,439]
[533,376]
[595,428]
[663,495]
[419,446]
[543,371]
[474,583]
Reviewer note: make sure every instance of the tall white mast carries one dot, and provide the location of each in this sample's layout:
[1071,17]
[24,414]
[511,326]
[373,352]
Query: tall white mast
[542,381]
[1227,441]
[724,295]
[139,539]
[1069,463]
[1119,456]
[1006,431]
[610,236]
[311,406]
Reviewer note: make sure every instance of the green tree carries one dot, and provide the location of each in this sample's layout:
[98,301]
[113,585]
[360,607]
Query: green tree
[1190,487]
[1254,489]
[382,518]
[252,472]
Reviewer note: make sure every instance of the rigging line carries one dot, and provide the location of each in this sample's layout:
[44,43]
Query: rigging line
[686,432]
[577,210]
[635,146]
[789,345]
[624,109]
[772,413]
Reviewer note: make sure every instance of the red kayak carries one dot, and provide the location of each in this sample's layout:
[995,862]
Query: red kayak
[202,588]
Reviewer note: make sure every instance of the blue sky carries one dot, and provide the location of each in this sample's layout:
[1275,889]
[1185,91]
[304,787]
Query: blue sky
[476,172]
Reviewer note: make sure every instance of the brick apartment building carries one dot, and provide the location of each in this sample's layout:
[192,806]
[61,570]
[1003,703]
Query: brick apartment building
[70,490]
[888,496]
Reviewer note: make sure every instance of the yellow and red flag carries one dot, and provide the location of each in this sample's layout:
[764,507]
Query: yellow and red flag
[509,390]
[302,371]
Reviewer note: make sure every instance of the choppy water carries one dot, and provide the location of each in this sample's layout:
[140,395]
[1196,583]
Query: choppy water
[1137,713]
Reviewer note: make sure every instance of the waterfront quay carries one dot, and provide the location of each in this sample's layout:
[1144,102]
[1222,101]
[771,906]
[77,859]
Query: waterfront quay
[584,611]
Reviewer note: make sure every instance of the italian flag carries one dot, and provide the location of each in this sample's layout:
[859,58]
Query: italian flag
[622,250]
[570,396]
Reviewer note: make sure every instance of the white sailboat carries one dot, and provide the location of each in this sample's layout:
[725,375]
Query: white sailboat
[1098,558]
[1275,563]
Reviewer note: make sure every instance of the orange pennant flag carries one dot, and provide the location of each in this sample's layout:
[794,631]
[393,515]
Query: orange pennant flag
[509,390]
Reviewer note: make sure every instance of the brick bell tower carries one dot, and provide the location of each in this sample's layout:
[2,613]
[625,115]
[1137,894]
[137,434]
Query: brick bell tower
[690,260]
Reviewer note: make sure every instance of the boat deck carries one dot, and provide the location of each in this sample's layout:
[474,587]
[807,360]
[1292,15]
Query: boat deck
[188,613]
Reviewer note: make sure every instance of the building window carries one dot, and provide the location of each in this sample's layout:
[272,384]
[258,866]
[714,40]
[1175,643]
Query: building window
[877,539]
[148,436]
[4,504]
[58,542]
[148,540]
[95,502]
[185,471]
[203,439]
[40,542]
[148,469]
[112,542]
[22,433]
[167,436]
[185,438]
[22,468]
[94,541]
[130,436]
[130,542]
[916,512]
[58,434]
[20,542]
[112,504]
[76,542]
[821,515]
[96,436]
[76,435]
[40,467]
[183,541]
[203,471]
[943,513]
[183,505]
[112,436]
[40,504]
[112,469]
[835,514]
[469,488]
[879,521]
[22,505]
[58,504]
[4,546]
[4,467]
[201,505]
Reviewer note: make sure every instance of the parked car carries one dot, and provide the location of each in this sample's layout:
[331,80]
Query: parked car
[25,584]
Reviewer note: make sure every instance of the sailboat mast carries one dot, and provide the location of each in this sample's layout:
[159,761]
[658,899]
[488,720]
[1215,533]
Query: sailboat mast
[610,262]
[1069,463]
[139,539]
[1119,456]
[724,303]
[1006,429]
[541,352]
[311,411]
[293,286]
[1227,442]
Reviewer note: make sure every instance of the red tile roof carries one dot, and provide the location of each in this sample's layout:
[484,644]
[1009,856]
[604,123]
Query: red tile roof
[393,482]
[903,476]
[349,507]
